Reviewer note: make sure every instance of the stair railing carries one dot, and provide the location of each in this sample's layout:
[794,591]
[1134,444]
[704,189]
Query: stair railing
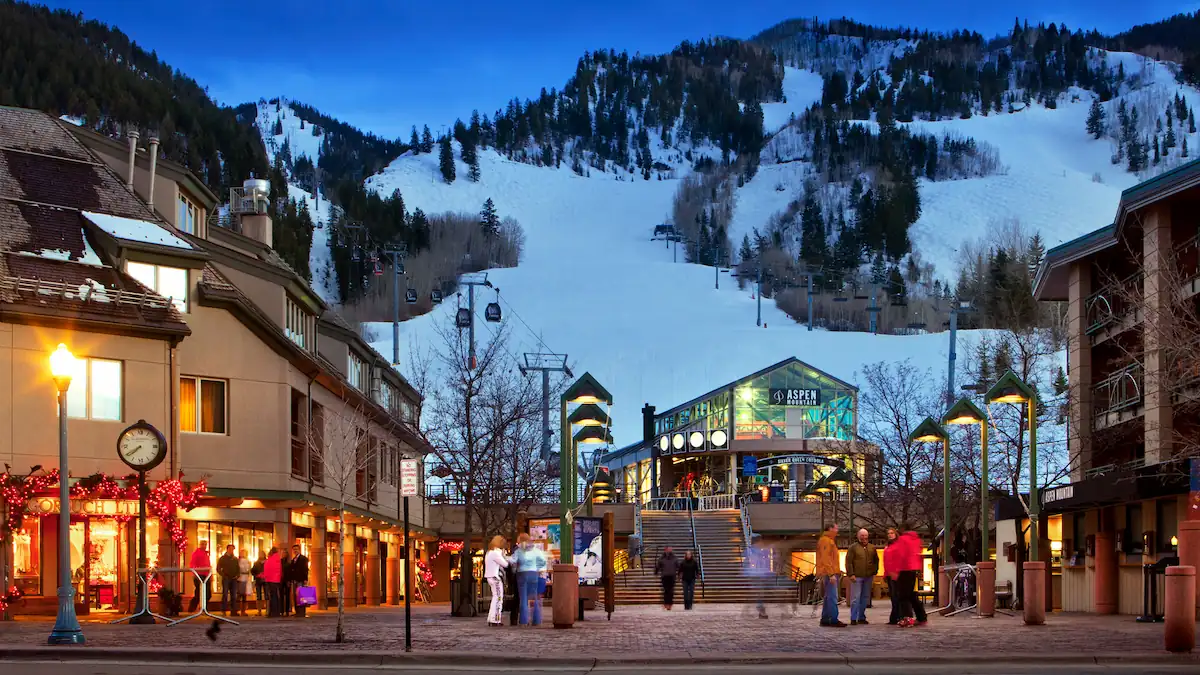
[747,533]
[717,502]
[696,545]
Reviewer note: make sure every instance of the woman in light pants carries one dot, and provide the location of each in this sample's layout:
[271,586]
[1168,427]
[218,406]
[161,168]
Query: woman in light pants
[493,570]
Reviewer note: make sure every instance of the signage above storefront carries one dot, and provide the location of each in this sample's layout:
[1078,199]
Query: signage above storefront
[100,508]
[782,460]
[805,398]
[1058,494]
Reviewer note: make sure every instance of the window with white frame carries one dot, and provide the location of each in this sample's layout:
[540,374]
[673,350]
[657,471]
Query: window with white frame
[169,282]
[96,388]
[298,325]
[202,405]
[186,215]
[357,373]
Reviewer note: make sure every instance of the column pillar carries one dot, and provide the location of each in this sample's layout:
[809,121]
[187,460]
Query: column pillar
[1104,576]
[319,563]
[1156,253]
[393,571]
[1079,375]
[349,578]
[1189,549]
[372,572]
[283,539]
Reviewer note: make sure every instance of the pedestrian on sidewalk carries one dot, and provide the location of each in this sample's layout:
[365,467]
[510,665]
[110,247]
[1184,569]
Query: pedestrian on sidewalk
[688,569]
[227,569]
[260,584]
[910,566]
[494,564]
[862,564]
[244,580]
[298,574]
[531,565]
[890,560]
[273,576]
[758,568]
[829,572]
[667,567]
[285,585]
[203,565]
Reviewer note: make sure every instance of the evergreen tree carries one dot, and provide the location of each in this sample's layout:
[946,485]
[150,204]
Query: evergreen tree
[414,142]
[1037,254]
[747,253]
[446,160]
[1095,119]
[812,229]
[426,140]
[1060,382]
[1191,121]
[489,222]
[1155,143]
[878,270]
[471,157]
[1184,149]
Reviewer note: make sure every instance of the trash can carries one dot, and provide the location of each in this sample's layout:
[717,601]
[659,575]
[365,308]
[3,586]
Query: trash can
[1153,586]
[455,586]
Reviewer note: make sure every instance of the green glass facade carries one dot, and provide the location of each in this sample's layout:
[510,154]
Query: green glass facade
[824,411]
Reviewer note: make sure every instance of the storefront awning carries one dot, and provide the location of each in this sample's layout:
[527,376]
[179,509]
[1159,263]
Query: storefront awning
[1117,487]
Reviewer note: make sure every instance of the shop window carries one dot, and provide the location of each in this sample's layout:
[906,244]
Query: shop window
[202,405]
[169,282]
[26,557]
[1166,523]
[1132,543]
[95,391]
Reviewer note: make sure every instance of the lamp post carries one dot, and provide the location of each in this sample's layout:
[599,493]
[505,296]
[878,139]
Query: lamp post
[66,625]
[1012,389]
[842,477]
[961,413]
[930,431]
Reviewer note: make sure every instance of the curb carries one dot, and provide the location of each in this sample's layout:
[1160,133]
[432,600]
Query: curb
[485,660]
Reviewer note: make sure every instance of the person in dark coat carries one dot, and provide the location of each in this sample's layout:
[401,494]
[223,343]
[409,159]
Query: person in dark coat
[285,588]
[689,569]
[666,568]
[298,575]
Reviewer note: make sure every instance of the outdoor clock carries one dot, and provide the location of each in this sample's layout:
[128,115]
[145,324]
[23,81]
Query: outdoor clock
[141,446]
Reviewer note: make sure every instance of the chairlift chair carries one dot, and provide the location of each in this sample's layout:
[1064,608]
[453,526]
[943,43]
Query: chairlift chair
[435,296]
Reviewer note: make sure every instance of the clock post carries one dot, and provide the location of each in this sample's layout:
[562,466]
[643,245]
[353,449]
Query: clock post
[142,447]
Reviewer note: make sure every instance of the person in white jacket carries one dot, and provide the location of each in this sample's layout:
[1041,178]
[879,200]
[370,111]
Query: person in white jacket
[494,563]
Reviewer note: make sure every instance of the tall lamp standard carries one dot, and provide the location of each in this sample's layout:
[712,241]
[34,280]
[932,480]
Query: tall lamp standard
[930,431]
[66,624]
[1012,389]
[964,412]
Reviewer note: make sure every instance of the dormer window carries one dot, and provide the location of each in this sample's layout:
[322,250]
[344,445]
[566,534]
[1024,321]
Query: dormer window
[299,325]
[169,282]
[357,374]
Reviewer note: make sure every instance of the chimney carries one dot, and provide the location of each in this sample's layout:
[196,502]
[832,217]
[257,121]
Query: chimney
[253,207]
[648,439]
[133,138]
[153,168]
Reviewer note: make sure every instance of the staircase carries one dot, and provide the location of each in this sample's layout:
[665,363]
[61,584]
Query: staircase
[719,535]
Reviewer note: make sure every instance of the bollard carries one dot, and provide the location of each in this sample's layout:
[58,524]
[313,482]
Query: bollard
[566,590]
[1179,634]
[1189,550]
[1034,602]
[986,588]
[1104,579]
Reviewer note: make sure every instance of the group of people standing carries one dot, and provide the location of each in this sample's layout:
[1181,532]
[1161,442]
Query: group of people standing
[525,569]
[274,577]
[902,566]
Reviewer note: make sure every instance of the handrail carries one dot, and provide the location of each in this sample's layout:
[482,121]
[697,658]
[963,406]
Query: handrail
[716,502]
[744,508]
[696,545]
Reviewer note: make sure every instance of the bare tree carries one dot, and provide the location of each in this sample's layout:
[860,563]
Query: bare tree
[340,442]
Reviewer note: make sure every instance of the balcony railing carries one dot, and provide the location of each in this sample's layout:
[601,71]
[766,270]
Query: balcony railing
[1113,302]
[1120,391]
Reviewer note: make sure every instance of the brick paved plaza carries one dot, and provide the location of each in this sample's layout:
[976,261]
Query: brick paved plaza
[640,630]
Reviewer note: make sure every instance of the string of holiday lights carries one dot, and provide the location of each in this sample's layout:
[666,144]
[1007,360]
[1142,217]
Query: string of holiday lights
[425,573]
[9,598]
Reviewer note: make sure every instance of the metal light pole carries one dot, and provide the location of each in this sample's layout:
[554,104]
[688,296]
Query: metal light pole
[1012,389]
[398,254]
[759,294]
[964,412]
[66,625]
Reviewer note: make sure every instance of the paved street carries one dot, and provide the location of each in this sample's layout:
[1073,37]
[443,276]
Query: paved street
[645,630]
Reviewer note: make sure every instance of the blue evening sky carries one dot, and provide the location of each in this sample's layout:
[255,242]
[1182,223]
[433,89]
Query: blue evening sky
[384,65]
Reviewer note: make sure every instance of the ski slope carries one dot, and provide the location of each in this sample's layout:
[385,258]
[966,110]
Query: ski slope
[592,285]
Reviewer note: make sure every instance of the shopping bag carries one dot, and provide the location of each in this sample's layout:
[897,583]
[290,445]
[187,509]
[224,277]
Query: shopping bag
[306,596]
[541,585]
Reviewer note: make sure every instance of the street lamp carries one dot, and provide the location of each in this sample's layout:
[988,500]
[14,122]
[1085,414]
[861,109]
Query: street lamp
[589,415]
[584,392]
[929,431]
[1012,389]
[964,412]
[66,625]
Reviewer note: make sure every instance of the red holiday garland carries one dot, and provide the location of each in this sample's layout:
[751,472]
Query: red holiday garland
[9,598]
[425,573]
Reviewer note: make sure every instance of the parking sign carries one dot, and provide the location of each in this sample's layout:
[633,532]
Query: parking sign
[408,478]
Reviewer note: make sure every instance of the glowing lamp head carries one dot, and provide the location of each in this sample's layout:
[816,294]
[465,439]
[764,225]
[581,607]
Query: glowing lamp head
[1056,546]
[963,412]
[62,366]
[587,390]
[1010,389]
[839,478]
[589,415]
[1174,540]
[928,431]
[822,488]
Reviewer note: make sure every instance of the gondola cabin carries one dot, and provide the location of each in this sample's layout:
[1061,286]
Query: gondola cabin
[435,296]
[492,312]
[410,296]
[463,318]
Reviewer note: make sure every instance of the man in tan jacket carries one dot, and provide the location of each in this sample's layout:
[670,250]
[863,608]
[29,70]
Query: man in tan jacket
[862,564]
[829,572]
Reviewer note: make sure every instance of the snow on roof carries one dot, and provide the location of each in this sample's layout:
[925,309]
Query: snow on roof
[132,229]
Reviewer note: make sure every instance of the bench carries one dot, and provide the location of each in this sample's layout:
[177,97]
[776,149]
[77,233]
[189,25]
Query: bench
[926,597]
[1004,595]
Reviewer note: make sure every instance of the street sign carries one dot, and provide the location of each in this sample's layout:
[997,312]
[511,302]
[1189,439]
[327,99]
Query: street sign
[408,478]
[795,397]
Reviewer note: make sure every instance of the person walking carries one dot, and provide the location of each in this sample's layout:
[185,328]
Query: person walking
[202,564]
[667,567]
[244,580]
[285,585]
[531,565]
[298,575]
[494,564]
[227,569]
[862,564]
[688,569]
[890,562]
[758,569]
[829,571]
[273,577]
[909,561]
[260,584]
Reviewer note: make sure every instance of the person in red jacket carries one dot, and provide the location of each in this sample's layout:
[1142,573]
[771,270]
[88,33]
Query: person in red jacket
[201,562]
[908,567]
[273,576]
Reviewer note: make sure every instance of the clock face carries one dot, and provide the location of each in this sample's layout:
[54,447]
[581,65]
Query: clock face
[140,447]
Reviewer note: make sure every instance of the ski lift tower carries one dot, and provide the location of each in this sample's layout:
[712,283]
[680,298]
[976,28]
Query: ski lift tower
[471,281]
[546,363]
